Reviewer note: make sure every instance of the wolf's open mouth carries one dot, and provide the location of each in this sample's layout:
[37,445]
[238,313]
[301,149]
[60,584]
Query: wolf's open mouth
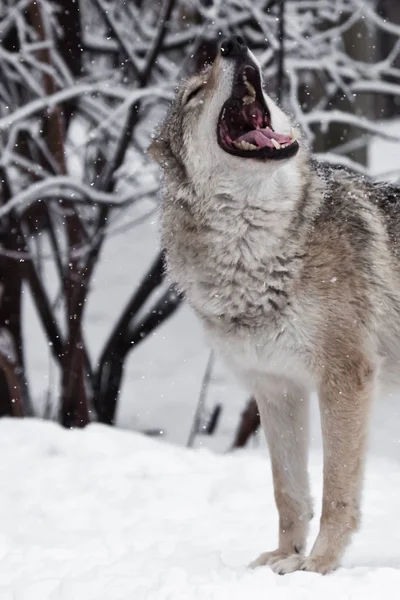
[244,125]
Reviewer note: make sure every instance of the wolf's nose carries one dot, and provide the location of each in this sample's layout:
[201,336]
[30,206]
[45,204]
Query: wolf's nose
[234,47]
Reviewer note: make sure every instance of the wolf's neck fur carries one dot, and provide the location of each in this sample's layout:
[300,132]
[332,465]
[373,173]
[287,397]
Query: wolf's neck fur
[263,203]
[231,241]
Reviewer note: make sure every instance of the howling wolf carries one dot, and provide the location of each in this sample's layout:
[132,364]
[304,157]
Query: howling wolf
[293,266]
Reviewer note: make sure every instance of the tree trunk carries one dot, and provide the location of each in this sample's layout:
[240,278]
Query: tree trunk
[74,402]
[14,397]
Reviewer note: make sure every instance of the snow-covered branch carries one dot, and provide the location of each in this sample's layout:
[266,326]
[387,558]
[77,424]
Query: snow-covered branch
[70,189]
[338,116]
[119,93]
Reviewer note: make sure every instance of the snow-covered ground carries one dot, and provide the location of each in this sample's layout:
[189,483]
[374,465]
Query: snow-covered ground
[105,514]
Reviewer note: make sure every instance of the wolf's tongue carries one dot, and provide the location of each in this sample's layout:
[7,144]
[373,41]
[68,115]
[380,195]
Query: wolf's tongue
[262,138]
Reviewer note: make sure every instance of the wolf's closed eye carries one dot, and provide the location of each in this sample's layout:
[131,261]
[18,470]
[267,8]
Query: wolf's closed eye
[192,94]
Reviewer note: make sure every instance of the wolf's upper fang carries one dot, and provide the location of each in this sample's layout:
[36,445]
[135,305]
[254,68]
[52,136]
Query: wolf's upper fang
[250,88]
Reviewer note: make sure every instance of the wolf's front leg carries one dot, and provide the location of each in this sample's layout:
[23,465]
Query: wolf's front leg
[284,416]
[345,397]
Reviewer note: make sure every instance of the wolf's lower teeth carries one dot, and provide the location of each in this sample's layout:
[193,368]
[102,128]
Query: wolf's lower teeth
[245,145]
[276,144]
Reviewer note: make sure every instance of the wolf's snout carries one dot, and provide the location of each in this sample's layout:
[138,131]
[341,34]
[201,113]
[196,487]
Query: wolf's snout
[234,47]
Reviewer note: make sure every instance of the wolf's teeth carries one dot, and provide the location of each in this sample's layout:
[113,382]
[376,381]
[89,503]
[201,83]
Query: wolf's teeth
[242,145]
[248,146]
[293,134]
[250,89]
[276,144]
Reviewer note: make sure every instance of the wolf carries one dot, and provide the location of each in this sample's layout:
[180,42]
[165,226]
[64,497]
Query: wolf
[293,267]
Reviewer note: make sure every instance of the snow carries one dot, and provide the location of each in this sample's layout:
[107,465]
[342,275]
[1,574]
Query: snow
[105,514]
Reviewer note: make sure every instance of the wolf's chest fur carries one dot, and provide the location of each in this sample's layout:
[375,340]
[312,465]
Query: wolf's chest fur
[230,262]
[237,269]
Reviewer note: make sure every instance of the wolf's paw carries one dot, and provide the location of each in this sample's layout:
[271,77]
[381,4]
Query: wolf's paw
[266,558]
[290,563]
[318,564]
[280,562]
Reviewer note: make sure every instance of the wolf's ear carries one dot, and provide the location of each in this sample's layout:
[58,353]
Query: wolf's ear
[158,149]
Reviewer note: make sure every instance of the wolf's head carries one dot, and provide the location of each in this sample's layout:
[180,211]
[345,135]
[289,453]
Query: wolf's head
[222,121]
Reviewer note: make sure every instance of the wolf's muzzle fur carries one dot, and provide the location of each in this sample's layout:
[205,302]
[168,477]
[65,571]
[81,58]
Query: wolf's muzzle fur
[294,268]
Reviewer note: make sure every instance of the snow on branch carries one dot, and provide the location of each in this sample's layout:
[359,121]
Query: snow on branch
[70,189]
[338,116]
[373,16]
[36,106]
